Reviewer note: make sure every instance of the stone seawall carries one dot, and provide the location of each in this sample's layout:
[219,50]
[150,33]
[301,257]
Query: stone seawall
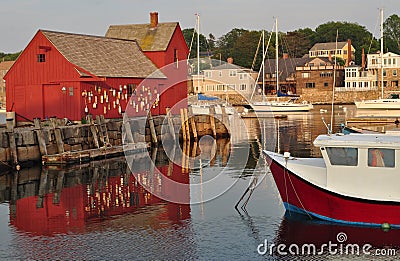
[341,97]
[312,96]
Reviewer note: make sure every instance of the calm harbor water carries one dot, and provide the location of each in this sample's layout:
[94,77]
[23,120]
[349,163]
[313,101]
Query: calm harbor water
[104,210]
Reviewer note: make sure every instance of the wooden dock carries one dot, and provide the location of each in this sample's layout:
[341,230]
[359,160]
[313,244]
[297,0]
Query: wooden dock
[371,120]
[82,156]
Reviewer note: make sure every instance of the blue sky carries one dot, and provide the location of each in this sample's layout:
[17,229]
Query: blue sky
[20,19]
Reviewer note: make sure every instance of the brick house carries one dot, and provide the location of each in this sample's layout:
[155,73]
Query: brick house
[287,75]
[391,70]
[316,75]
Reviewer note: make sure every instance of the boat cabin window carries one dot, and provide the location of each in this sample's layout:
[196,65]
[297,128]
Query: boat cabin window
[381,158]
[342,156]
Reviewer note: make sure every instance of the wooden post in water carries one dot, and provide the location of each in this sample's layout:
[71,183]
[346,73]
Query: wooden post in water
[212,121]
[170,124]
[59,187]
[128,130]
[58,136]
[101,132]
[183,162]
[171,160]
[185,111]
[192,123]
[93,130]
[152,130]
[104,129]
[225,152]
[152,168]
[13,145]
[42,187]
[193,154]
[225,120]
[183,125]
[40,136]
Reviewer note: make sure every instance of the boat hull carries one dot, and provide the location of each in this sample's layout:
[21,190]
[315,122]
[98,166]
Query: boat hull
[383,104]
[285,107]
[299,195]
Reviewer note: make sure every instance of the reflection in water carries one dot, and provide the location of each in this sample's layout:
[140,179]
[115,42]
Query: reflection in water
[300,230]
[52,200]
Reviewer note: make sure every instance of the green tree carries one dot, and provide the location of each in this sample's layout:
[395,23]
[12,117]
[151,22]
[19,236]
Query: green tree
[358,34]
[299,42]
[9,56]
[241,45]
[226,43]
[191,40]
[392,33]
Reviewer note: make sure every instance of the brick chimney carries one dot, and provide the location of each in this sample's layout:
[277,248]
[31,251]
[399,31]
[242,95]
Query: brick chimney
[153,19]
[348,60]
[230,60]
[285,56]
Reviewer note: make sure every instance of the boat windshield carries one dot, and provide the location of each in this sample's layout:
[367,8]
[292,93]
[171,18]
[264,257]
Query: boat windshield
[381,158]
[342,156]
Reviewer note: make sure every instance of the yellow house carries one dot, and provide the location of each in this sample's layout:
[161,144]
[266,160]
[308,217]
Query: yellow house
[328,50]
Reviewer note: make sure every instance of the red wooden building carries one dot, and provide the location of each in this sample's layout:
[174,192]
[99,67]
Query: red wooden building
[70,75]
[166,47]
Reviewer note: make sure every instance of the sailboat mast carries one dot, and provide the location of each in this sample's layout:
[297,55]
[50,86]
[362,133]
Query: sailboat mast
[381,52]
[263,65]
[276,55]
[198,50]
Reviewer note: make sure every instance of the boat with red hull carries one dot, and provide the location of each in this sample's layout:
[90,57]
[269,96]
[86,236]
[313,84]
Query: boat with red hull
[357,180]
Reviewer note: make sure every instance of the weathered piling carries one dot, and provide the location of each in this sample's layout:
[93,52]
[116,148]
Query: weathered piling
[192,123]
[152,129]
[212,121]
[11,138]
[170,124]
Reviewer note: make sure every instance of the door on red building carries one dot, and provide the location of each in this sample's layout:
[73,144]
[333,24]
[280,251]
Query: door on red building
[54,100]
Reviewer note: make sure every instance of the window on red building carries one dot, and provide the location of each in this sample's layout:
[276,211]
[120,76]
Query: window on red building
[176,61]
[41,58]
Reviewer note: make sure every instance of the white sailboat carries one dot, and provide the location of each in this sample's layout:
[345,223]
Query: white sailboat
[380,104]
[277,106]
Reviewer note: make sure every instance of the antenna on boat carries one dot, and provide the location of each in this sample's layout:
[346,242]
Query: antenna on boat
[328,127]
[381,18]
[330,130]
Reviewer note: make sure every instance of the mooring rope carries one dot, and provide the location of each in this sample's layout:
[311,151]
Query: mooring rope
[295,192]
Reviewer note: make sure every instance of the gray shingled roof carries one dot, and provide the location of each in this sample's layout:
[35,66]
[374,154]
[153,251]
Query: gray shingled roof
[286,66]
[103,56]
[328,46]
[149,39]
[225,66]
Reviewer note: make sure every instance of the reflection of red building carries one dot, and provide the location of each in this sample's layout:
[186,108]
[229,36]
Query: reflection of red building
[86,202]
